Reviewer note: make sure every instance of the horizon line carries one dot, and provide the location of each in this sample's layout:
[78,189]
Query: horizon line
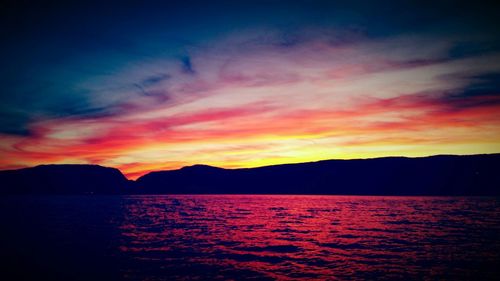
[254,167]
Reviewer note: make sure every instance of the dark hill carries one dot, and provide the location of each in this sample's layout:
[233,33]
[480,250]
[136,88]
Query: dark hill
[64,179]
[435,175]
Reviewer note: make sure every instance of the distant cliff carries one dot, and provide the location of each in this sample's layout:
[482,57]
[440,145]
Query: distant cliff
[435,175]
[64,179]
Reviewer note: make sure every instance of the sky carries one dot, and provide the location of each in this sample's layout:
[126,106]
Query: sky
[144,86]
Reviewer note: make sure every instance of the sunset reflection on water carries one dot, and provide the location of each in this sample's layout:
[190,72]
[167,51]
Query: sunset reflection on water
[314,237]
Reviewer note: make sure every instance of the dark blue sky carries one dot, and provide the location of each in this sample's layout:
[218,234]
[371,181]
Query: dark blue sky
[48,46]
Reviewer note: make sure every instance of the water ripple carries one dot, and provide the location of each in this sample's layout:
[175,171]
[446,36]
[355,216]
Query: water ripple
[317,237]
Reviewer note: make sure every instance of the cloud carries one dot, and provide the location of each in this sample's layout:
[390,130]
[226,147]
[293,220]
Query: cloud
[187,66]
[14,123]
[155,79]
[249,100]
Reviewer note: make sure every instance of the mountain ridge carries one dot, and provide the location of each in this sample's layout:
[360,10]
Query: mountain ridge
[393,175]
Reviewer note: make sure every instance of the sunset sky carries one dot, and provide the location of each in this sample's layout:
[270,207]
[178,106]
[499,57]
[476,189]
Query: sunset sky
[142,86]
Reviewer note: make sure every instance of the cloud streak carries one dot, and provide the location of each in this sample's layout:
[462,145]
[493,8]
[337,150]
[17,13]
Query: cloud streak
[264,96]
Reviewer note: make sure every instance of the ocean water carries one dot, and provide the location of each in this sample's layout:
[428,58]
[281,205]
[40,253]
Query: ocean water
[240,237]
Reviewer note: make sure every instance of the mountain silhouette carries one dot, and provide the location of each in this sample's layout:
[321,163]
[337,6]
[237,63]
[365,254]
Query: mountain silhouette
[64,179]
[434,175]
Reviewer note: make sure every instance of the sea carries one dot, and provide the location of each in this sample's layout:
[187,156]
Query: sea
[249,237]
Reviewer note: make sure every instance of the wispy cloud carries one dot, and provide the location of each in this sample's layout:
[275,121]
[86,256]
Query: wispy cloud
[247,99]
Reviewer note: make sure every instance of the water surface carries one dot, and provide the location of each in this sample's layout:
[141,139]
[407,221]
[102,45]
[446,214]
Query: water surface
[251,237]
